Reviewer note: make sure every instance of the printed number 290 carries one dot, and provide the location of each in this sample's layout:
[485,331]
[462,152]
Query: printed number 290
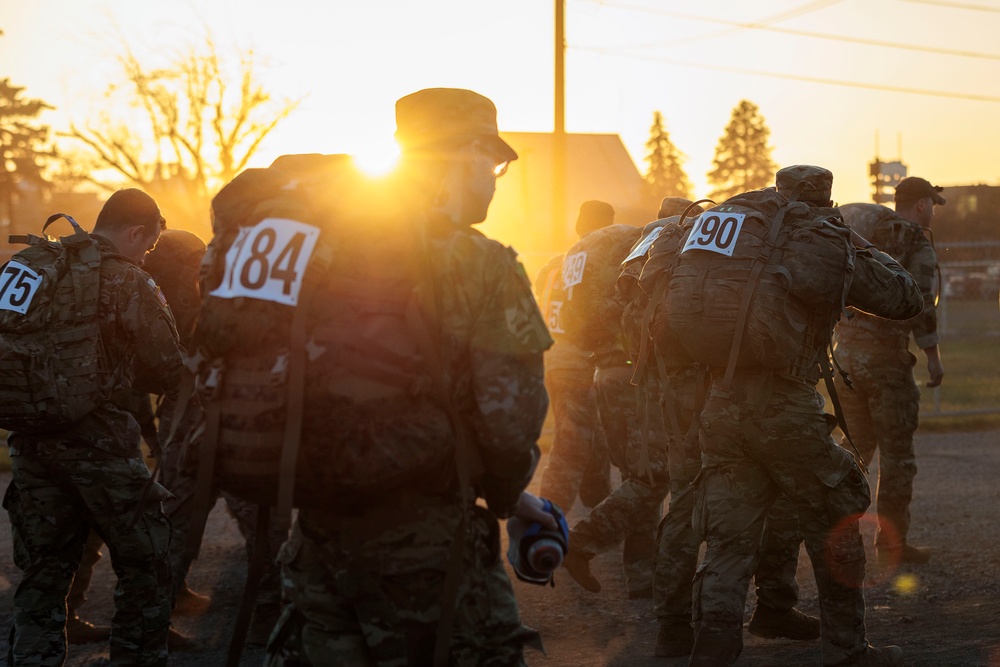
[716,232]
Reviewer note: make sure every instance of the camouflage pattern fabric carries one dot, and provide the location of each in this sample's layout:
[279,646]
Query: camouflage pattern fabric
[752,453]
[53,500]
[181,480]
[578,462]
[678,541]
[768,434]
[366,590]
[629,515]
[363,585]
[882,409]
[882,413]
[97,461]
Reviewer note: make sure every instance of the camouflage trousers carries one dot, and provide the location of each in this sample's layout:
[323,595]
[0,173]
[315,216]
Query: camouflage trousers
[366,589]
[53,501]
[637,447]
[882,412]
[182,483]
[578,462]
[677,540]
[752,452]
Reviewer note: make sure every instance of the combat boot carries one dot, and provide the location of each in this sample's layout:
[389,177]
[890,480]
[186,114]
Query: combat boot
[79,631]
[770,623]
[578,567]
[673,640]
[887,656]
[178,643]
[896,555]
[190,603]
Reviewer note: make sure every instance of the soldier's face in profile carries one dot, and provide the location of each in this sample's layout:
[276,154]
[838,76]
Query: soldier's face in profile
[482,168]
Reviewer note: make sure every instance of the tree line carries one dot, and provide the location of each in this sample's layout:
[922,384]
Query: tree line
[182,129]
[742,158]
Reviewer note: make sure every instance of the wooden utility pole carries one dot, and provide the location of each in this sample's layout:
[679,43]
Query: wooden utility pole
[559,131]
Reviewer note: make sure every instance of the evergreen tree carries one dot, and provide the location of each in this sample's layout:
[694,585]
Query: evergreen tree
[742,157]
[666,177]
[23,145]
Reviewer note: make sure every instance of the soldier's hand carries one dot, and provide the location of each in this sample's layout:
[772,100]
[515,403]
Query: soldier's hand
[530,508]
[936,372]
[935,369]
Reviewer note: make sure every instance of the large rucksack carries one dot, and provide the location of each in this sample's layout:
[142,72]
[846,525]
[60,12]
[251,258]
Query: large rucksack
[52,366]
[750,279]
[591,312]
[318,376]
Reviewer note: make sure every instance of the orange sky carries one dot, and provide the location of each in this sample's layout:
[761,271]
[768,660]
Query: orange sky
[694,61]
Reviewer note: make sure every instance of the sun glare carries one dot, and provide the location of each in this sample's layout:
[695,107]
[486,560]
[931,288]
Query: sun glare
[377,160]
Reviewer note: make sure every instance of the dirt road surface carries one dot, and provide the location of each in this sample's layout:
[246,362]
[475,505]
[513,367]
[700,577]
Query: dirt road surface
[943,614]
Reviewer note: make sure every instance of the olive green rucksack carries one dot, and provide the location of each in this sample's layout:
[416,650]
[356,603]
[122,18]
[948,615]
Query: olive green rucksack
[752,276]
[52,367]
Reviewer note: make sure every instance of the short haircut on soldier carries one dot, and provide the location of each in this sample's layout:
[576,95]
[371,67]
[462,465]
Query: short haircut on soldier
[127,208]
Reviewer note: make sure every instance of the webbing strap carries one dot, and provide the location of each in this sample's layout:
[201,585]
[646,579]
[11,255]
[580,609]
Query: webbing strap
[748,293]
[644,336]
[255,570]
[838,411]
[467,460]
[205,481]
[645,467]
[293,415]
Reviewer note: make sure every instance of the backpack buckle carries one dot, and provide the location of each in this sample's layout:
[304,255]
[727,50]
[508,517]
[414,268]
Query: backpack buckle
[210,385]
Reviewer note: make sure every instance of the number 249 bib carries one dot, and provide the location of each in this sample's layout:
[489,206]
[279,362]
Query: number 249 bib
[267,261]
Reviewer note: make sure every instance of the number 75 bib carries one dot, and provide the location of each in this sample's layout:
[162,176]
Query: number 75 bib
[267,261]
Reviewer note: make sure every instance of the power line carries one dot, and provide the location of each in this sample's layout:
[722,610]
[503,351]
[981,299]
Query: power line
[797,77]
[795,12]
[761,25]
[956,5]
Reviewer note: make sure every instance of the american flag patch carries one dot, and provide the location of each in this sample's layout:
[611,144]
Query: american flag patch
[158,292]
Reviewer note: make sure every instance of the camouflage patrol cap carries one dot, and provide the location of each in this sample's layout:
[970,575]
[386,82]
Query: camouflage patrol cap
[436,116]
[810,183]
[594,214]
[671,206]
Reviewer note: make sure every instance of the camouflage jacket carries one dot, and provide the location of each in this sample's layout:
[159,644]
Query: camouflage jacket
[906,242]
[494,337]
[142,352]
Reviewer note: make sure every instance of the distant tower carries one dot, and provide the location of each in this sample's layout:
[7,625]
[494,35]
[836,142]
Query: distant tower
[886,175]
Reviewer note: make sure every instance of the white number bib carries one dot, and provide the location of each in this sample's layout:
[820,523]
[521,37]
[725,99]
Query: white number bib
[555,317]
[267,261]
[715,231]
[18,285]
[643,246]
[572,273]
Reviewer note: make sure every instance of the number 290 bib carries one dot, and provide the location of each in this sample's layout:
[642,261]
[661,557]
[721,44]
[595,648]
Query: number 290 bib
[267,261]
[716,232]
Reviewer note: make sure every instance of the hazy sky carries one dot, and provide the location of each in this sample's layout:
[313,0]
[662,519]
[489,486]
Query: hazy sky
[694,61]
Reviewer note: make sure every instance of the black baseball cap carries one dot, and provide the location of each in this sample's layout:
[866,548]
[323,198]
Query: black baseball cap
[914,187]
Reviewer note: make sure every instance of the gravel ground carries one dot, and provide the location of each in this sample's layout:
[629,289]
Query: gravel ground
[943,614]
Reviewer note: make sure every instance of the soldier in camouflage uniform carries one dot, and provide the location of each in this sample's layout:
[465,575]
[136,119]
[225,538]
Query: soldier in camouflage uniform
[365,586]
[881,410]
[93,474]
[175,265]
[634,435]
[767,433]
[578,461]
